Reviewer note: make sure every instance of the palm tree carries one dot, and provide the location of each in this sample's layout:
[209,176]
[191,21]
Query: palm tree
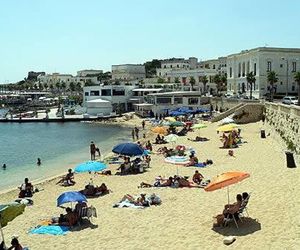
[218,82]
[297,80]
[272,79]
[72,86]
[63,86]
[192,82]
[46,86]
[177,80]
[57,85]
[51,87]
[204,80]
[250,80]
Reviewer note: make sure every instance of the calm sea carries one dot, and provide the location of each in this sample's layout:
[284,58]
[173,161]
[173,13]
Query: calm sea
[59,145]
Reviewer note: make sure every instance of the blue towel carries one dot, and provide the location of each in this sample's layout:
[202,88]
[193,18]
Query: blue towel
[52,230]
[200,165]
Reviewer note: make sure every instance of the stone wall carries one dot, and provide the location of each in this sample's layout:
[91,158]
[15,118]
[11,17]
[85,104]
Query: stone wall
[285,120]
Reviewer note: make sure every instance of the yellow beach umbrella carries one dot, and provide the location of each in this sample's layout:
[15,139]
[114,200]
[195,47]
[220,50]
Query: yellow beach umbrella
[227,127]
[170,119]
[160,130]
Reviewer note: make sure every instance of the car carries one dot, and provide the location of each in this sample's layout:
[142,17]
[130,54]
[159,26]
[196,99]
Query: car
[290,100]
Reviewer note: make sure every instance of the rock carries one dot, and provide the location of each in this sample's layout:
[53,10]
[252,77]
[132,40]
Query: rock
[229,240]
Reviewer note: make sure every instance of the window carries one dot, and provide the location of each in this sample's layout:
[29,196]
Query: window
[165,66]
[214,66]
[248,67]
[163,100]
[171,66]
[281,83]
[230,72]
[269,66]
[294,67]
[211,79]
[95,93]
[177,65]
[243,69]
[293,88]
[178,100]
[254,69]
[193,101]
[118,92]
[281,65]
[106,92]
[239,75]
[86,94]
[183,80]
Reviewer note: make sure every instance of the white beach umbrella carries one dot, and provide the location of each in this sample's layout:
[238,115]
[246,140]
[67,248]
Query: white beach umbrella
[227,120]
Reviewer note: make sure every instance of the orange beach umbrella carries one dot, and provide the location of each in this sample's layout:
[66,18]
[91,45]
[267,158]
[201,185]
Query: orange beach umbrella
[160,130]
[225,180]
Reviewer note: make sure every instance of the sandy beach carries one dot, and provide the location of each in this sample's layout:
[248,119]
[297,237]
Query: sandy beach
[184,220]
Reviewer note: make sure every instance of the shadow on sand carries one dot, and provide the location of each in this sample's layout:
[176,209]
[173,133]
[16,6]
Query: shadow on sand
[85,223]
[248,226]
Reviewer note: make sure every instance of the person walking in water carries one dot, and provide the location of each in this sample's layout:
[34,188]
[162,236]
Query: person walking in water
[132,134]
[143,124]
[136,130]
[4,166]
[39,162]
[92,150]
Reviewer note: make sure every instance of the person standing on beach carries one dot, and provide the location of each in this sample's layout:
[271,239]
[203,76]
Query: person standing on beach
[132,134]
[92,150]
[4,166]
[143,124]
[39,162]
[136,132]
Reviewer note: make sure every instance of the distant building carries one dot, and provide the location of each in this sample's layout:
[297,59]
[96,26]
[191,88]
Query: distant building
[128,72]
[32,75]
[284,61]
[89,72]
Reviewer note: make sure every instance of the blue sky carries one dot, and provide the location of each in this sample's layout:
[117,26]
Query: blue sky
[68,35]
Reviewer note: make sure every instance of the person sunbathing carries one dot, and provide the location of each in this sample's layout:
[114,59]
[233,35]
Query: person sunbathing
[67,180]
[229,211]
[192,161]
[159,182]
[91,190]
[197,177]
[26,189]
[139,201]
[70,219]
[183,182]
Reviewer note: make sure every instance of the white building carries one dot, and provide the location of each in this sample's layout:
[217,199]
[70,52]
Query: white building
[160,102]
[128,72]
[284,61]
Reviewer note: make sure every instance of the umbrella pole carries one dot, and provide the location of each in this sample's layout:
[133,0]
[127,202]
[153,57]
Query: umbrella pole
[2,234]
[228,194]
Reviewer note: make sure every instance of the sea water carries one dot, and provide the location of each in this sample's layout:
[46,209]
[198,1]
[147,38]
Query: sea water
[59,146]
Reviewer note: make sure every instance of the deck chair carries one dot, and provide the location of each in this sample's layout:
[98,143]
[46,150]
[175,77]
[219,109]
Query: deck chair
[240,214]
[87,212]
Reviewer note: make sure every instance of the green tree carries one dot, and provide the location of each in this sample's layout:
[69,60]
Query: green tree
[218,82]
[41,87]
[176,80]
[150,67]
[272,79]
[204,80]
[160,80]
[192,82]
[63,86]
[297,80]
[251,80]
[46,86]
[57,85]
[51,87]
[72,86]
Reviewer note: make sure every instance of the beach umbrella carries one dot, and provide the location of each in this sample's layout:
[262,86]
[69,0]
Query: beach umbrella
[227,127]
[177,124]
[90,166]
[159,130]
[171,138]
[128,148]
[170,119]
[199,126]
[177,113]
[225,180]
[227,120]
[71,196]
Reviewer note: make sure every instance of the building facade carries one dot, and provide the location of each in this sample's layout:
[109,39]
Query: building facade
[89,72]
[128,72]
[284,61]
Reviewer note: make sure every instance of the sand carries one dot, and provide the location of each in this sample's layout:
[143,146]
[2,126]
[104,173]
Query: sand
[184,220]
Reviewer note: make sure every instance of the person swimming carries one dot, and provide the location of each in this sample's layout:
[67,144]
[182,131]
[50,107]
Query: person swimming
[39,162]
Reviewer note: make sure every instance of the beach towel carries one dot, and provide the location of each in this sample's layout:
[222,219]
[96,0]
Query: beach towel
[51,230]
[127,203]
[200,165]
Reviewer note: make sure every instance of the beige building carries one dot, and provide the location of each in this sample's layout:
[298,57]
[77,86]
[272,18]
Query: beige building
[128,72]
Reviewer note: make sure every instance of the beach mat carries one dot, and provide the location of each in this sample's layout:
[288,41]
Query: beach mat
[50,230]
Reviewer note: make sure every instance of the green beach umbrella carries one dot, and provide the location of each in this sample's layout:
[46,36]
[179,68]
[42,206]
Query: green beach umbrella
[199,126]
[177,124]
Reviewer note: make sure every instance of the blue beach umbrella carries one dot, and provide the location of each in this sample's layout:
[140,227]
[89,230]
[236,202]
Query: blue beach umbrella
[72,196]
[129,149]
[90,166]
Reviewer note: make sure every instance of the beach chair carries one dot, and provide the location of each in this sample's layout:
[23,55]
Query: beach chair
[87,212]
[240,214]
